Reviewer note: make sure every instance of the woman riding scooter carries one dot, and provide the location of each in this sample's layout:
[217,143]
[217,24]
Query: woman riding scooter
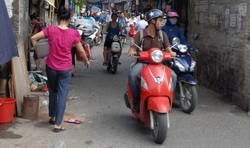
[112,28]
[171,29]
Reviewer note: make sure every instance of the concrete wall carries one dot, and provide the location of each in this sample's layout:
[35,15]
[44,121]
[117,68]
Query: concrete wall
[224,49]
[18,13]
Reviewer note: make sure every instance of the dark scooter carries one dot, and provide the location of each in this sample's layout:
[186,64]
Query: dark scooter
[183,65]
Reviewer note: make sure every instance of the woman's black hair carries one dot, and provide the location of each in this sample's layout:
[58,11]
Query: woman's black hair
[33,16]
[63,14]
[114,14]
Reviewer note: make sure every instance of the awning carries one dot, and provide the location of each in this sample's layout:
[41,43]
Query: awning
[94,1]
[51,2]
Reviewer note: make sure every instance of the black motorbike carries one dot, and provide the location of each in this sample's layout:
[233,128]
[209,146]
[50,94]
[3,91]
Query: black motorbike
[113,54]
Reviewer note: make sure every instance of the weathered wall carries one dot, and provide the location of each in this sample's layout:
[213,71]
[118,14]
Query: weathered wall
[224,50]
[18,13]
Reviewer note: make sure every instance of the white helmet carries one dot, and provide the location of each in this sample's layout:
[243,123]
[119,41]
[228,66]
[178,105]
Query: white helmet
[141,16]
[98,14]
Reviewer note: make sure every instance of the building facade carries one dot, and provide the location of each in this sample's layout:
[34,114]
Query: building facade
[224,46]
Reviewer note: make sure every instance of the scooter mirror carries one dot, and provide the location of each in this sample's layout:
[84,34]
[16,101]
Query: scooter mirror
[175,41]
[132,40]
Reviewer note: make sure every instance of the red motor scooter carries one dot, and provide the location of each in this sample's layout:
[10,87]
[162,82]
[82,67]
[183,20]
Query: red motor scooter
[156,93]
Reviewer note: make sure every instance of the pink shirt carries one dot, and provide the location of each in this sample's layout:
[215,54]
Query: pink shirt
[60,43]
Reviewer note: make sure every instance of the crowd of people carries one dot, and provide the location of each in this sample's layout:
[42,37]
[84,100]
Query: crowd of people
[60,63]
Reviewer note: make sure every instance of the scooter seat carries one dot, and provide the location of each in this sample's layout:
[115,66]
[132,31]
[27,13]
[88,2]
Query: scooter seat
[89,32]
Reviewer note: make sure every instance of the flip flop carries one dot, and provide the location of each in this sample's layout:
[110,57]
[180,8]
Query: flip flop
[57,130]
[75,121]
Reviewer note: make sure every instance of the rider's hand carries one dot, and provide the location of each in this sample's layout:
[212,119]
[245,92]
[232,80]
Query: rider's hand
[131,52]
[173,54]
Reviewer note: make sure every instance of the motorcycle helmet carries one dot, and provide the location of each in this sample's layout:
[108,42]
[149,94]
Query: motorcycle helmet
[154,13]
[141,16]
[172,13]
[172,17]
[98,14]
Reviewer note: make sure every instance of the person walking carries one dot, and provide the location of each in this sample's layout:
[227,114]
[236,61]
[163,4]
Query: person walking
[37,28]
[59,64]
[141,24]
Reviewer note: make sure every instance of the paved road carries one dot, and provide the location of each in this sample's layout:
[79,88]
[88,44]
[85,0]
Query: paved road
[96,97]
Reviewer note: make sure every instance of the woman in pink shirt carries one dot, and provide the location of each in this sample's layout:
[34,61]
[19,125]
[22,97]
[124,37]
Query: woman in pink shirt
[59,64]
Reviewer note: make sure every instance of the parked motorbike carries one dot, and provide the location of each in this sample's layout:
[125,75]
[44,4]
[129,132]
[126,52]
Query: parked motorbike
[86,48]
[88,35]
[183,65]
[156,93]
[99,35]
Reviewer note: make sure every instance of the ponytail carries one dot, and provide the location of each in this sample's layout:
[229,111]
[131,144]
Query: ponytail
[63,14]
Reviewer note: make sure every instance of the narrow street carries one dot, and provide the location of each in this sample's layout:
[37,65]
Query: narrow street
[96,97]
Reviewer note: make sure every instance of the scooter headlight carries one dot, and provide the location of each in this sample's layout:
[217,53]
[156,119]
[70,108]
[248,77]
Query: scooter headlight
[181,67]
[193,64]
[116,38]
[157,56]
[144,83]
[182,48]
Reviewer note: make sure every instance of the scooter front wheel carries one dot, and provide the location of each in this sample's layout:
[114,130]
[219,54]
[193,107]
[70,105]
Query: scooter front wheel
[189,100]
[114,65]
[160,127]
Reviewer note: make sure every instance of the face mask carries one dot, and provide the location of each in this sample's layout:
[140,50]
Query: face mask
[173,21]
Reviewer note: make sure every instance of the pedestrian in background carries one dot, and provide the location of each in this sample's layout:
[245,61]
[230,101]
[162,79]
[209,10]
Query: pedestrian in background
[59,64]
[37,28]
[141,24]
[73,50]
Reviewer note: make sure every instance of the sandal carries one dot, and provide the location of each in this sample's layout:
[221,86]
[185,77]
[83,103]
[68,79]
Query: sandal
[57,130]
[52,122]
[105,63]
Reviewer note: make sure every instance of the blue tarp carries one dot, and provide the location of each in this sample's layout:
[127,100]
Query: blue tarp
[8,47]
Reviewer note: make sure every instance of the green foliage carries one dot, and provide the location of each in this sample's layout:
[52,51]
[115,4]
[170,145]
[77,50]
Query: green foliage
[80,2]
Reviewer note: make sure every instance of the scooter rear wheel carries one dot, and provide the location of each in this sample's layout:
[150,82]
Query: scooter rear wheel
[160,127]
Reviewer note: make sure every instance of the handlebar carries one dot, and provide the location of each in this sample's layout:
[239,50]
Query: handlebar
[122,35]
